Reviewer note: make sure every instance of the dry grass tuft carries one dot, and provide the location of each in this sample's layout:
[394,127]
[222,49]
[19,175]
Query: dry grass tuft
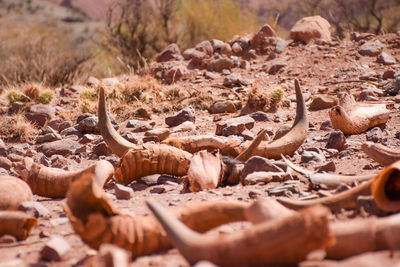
[32,90]
[16,128]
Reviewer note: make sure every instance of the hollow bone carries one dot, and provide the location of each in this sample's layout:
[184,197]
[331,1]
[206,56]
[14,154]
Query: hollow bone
[16,223]
[283,241]
[380,153]
[343,200]
[285,145]
[13,191]
[331,180]
[54,183]
[97,221]
[353,118]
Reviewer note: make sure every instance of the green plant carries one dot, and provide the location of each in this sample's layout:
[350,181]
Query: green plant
[89,95]
[46,97]
[275,98]
[14,96]
[85,107]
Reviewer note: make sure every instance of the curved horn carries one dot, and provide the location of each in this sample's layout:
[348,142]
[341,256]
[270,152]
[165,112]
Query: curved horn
[113,139]
[248,152]
[292,140]
[54,183]
[331,180]
[343,200]
[283,241]
[380,153]
[385,188]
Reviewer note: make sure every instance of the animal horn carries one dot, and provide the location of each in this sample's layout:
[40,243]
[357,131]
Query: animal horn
[380,153]
[16,223]
[385,188]
[343,200]
[54,183]
[283,241]
[13,191]
[248,152]
[113,139]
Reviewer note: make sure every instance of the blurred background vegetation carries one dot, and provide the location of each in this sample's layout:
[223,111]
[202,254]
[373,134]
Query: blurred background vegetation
[58,42]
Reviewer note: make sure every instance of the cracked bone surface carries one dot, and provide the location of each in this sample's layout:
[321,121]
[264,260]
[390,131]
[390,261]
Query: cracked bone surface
[283,241]
[95,219]
[353,118]
[54,183]
[13,191]
[380,153]
[285,145]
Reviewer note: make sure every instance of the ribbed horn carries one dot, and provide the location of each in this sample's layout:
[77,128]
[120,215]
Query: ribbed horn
[343,200]
[380,153]
[113,139]
[284,241]
[54,183]
[385,188]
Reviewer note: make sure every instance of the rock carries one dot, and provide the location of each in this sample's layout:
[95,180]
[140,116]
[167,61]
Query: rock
[89,125]
[328,167]
[55,248]
[171,52]
[130,137]
[284,129]
[388,74]
[323,102]
[109,256]
[101,149]
[140,126]
[234,126]
[197,58]
[34,208]
[259,164]
[258,38]
[259,116]
[123,192]
[374,135]
[312,155]
[232,80]
[337,140]
[393,87]
[326,126]
[236,48]
[211,75]
[58,161]
[161,133]
[368,204]
[275,68]
[204,263]
[153,139]
[175,74]
[186,114]
[386,59]
[5,163]
[311,28]
[87,138]
[40,114]
[254,193]
[371,48]
[50,137]
[355,36]
[220,64]
[92,81]
[157,190]
[3,148]
[222,106]
[205,47]
[281,44]
[244,64]
[187,126]
[63,147]
[187,54]
[71,131]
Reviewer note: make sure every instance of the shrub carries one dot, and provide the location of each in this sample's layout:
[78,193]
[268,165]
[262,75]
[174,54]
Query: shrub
[46,97]
[17,128]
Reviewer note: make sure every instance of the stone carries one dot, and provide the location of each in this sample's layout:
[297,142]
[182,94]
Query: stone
[186,126]
[205,47]
[375,135]
[101,149]
[186,114]
[157,190]
[281,45]
[123,192]
[393,87]
[232,80]
[254,193]
[7,239]
[130,137]
[71,131]
[244,64]
[222,106]
[258,38]
[87,138]
[211,75]
[92,81]
[34,208]
[161,133]
[63,147]
[187,54]
[311,155]
[368,204]
[40,114]
[109,256]
[140,126]
[259,164]
[388,74]
[175,74]
[327,167]
[5,163]
[259,116]
[326,125]
[336,140]
[55,248]
[284,129]
[220,64]
[311,28]
[236,48]
[371,48]
[234,126]
[50,137]
[89,125]
[171,52]
[275,68]
[197,58]
[58,161]
[153,139]
[386,59]
[323,102]
[3,148]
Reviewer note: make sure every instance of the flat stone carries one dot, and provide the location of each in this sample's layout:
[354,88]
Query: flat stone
[161,133]
[171,52]
[101,149]
[258,164]
[337,140]
[308,156]
[40,114]
[186,114]
[275,68]
[123,192]
[34,208]
[222,106]
[50,137]
[259,116]
[234,126]
[63,147]
[89,125]
[220,64]
[284,129]
[176,73]
[375,135]
[254,193]
[371,48]
[386,59]
[140,126]
[5,163]
[130,137]
[88,138]
[157,190]
[186,126]
[111,256]
[55,248]
[326,125]
[323,102]
[328,167]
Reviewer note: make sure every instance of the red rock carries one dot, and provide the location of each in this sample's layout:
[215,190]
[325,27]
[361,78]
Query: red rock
[259,37]
[186,114]
[161,133]
[220,64]
[55,248]
[175,74]
[5,163]
[34,208]
[123,192]
[311,28]
[63,147]
[171,52]
[205,47]
[234,126]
